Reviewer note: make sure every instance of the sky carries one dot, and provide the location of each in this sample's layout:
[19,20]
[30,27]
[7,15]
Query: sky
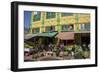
[27,15]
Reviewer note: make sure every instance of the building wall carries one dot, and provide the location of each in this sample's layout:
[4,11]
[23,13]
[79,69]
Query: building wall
[76,19]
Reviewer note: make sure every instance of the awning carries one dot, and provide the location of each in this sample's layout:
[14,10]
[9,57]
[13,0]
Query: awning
[65,35]
[28,36]
[47,34]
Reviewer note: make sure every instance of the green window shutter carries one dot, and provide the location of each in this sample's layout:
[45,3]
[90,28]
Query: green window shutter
[50,28]
[50,15]
[66,14]
[37,16]
[36,30]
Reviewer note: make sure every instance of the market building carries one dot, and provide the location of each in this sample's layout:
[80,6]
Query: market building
[69,26]
[57,36]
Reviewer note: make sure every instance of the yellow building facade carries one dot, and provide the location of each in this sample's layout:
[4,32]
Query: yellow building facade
[59,22]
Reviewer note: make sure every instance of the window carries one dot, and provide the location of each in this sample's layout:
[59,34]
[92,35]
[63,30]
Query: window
[85,27]
[66,14]
[36,30]
[64,27]
[37,16]
[50,28]
[70,27]
[50,15]
[67,27]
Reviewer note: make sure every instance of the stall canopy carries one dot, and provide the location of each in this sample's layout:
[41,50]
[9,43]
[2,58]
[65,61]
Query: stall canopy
[45,34]
[65,35]
[29,36]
